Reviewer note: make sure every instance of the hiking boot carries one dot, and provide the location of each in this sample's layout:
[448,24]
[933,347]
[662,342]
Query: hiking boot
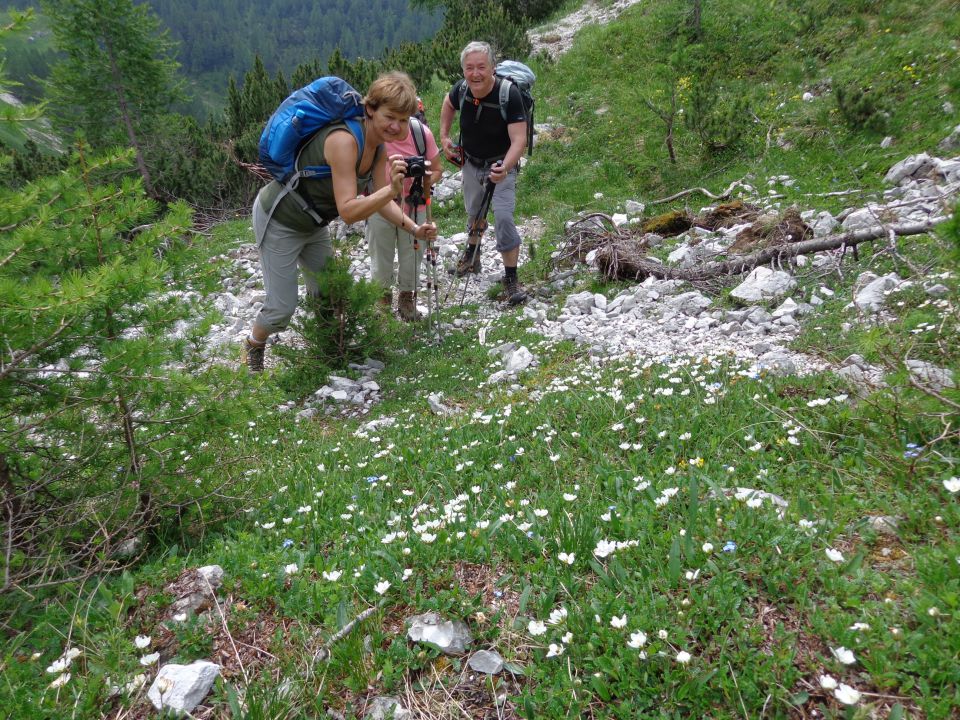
[253,355]
[470,261]
[514,293]
[407,306]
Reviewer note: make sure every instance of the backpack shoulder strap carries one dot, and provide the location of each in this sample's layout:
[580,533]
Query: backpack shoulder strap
[419,136]
[462,91]
[505,85]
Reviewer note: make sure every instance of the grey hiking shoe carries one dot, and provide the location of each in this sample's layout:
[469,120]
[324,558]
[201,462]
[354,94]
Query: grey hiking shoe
[470,261]
[253,356]
[407,306]
[514,293]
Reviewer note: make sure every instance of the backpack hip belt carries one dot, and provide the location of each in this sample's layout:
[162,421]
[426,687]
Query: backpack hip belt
[482,162]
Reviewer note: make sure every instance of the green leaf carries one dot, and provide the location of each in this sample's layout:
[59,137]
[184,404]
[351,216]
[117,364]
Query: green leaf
[674,563]
[525,598]
[693,508]
[514,669]
[855,563]
[342,617]
[233,700]
[800,698]
[126,583]
[599,570]
[896,712]
[397,567]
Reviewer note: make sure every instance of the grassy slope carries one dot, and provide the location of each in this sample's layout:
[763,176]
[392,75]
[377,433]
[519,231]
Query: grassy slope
[758,620]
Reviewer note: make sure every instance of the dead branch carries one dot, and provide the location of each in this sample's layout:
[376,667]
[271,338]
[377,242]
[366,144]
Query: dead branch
[722,196]
[639,268]
[255,169]
[324,652]
[20,357]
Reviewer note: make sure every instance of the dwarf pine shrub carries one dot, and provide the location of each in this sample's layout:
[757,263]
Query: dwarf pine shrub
[339,325]
[109,421]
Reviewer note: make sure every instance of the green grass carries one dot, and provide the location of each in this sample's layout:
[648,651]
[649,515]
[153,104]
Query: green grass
[475,515]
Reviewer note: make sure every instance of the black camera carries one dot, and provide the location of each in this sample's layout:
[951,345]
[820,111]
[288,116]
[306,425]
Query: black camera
[416,166]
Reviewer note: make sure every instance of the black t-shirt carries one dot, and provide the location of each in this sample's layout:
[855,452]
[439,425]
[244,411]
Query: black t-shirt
[483,131]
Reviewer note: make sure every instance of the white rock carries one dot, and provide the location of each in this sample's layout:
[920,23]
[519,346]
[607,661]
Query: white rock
[518,361]
[911,166]
[182,687]
[873,296]
[931,376]
[762,284]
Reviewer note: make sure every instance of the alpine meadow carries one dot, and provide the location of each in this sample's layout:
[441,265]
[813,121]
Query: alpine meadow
[709,466]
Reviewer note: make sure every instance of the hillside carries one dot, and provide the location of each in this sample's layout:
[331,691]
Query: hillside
[218,40]
[711,468]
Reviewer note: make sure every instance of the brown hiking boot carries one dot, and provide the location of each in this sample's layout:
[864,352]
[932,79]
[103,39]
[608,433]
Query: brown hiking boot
[470,261]
[513,292]
[253,355]
[407,306]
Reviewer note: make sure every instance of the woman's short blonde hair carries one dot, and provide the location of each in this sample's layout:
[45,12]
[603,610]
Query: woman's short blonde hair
[393,90]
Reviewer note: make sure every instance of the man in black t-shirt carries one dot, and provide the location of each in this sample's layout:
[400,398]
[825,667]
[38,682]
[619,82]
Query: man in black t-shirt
[492,148]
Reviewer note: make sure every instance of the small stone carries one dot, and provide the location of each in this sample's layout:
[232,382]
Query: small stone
[385,707]
[451,637]
[883,524]
[488,662]
[182,687]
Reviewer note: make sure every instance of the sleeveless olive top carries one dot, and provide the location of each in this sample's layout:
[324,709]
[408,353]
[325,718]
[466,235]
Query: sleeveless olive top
[318,191]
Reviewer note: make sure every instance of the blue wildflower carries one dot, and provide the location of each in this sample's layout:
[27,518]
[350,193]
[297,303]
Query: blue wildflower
[913,450]
[730,546]
[287,543]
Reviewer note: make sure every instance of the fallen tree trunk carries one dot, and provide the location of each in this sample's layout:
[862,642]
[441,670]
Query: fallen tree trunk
[615,262]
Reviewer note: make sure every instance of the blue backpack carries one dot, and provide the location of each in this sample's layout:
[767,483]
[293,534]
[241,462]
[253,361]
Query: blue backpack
[305,111]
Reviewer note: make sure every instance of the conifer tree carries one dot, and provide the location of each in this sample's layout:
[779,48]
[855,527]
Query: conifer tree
[117,76]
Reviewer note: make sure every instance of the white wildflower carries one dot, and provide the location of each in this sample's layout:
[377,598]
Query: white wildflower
[843,655]
[846,694]
[535,627]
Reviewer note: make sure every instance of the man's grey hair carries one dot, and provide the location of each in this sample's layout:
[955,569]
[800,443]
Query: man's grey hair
[475,47]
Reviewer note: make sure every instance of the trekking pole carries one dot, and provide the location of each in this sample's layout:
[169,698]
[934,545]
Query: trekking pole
[478,226]
[413,200]
[433,311]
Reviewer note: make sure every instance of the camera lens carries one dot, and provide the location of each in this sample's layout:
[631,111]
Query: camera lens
[416,166]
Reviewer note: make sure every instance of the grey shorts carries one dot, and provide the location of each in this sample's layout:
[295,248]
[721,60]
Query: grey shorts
[503,203]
